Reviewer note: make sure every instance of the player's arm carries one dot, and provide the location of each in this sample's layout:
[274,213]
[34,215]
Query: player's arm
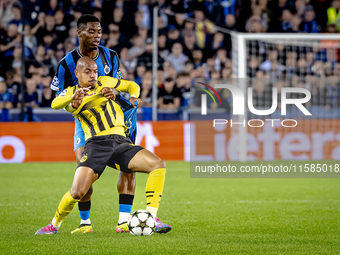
[129,87]
[122,86]
[65,99]
[133,89]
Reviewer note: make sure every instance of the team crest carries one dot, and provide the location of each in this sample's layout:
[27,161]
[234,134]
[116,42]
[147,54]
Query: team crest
[106,69]
[83,159]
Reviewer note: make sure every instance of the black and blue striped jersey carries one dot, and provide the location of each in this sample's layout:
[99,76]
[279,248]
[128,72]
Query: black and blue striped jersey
[106,60]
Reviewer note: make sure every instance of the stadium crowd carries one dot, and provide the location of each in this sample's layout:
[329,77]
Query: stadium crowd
[188,52]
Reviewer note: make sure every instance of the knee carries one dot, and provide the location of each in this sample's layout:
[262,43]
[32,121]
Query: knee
[78,193]
[159,164]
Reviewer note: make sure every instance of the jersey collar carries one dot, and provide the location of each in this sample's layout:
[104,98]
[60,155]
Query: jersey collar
[78,51]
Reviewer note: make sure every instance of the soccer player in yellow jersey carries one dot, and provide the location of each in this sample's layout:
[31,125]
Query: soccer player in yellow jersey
[102,120]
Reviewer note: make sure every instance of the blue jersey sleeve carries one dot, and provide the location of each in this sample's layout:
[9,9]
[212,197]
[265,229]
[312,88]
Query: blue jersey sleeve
[61,78]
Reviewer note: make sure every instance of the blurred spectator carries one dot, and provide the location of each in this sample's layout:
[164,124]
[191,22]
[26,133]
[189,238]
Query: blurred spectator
[173,36]
[189,45]
[179,21]
[40,23]
[169,70]
[30,40]
[217,41]
[331,28]
[129,65]
[146,95]
[144,9]
[169,97]
[221,58]
[70,6]
[146,58]
[6,14]
[214,11]
[17,17]
[146,89]
[16,62]
[8,42]
[47,30]
[61,26]
[162,49]
[188,67]
[188,29]
[140,70]
[116,40]
[286,21]
[333,14]
[6,100]
[228,6]
[183,85]
[300,6]
[73,36]
[295,22]
[51,6]
[254,25]
[143,32]
[309,25]
[177,58]
[253,67]
[137,48]
[42,61]
[32,9]
[45,93]
[30,99]
[203,28]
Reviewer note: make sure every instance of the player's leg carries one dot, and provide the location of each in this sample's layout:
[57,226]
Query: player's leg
[147,162]
[84,205]
[126,189]
[83,179]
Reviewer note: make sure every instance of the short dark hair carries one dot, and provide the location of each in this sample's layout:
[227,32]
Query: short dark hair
[183,74]
[84,19]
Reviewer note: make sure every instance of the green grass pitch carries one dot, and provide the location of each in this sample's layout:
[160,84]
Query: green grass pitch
[208,216]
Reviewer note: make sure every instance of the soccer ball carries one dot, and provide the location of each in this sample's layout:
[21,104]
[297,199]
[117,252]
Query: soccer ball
[141,223]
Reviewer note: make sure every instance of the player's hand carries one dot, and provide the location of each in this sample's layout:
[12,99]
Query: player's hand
[133,100]
[110,93]
[79,94]
[76,103]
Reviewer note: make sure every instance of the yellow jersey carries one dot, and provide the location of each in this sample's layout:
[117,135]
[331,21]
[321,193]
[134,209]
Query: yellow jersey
[97,114]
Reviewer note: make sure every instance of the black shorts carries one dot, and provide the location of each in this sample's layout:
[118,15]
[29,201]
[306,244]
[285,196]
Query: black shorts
[114,151]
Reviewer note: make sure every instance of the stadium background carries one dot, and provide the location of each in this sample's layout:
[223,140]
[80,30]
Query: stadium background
[196,40]
[196,43]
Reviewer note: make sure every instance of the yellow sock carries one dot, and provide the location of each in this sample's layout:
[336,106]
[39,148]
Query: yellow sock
[66,206]
[154,189]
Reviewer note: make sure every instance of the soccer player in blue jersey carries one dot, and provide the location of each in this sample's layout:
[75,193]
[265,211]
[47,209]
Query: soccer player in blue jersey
[89,32]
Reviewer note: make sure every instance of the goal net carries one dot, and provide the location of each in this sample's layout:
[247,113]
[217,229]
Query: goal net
[267,63]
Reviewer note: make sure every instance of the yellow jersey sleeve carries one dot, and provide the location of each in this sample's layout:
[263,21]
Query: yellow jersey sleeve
[63,99]
[121,85]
